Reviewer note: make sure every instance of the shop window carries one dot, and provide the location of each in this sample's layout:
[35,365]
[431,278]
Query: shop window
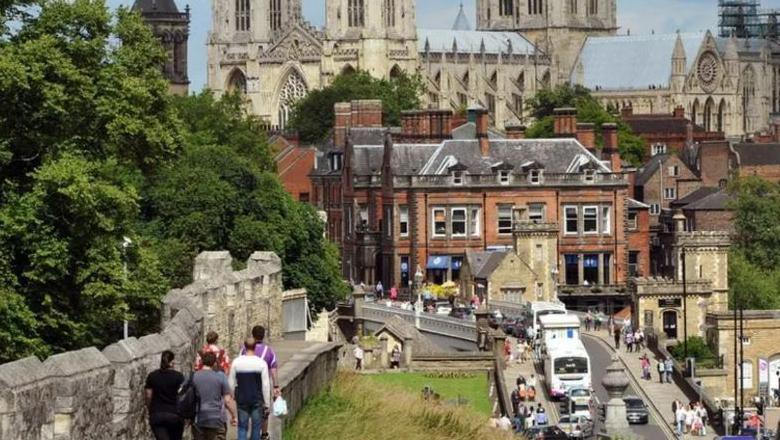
[590,266]
[572,269]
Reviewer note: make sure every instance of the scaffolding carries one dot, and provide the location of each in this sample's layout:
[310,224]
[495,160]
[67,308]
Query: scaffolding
[746,19]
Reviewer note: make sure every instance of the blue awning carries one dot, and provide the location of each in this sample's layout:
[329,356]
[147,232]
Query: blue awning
[438,262]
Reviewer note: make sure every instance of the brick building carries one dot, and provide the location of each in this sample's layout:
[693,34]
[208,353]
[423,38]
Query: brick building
[667,134]
[294,164]
[426,203]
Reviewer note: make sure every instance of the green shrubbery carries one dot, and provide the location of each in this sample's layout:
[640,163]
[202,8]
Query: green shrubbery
[698,349]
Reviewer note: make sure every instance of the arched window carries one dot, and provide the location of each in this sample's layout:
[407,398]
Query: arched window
[294,89]
[535,7]
[546,80]
[466,81]
[709,110]
[389,12]
[347,70]
[521,81]
[236,82]
[721,114]
[593,7]
[573,7]
[180,54]
[275,15]
[748,95]
[695,112]
[243,14]
[356,13]
[396,71]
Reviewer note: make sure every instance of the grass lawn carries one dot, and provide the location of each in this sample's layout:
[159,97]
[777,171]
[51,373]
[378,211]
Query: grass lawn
[472,388]
[357,407]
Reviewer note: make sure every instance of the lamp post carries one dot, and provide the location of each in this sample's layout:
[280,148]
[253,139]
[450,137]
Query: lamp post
[554,274]
[418,279]
[126,243]
[685,311]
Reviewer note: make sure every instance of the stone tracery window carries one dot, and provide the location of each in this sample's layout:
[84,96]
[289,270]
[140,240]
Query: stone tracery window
[356,13]
[506,7]
[293,90]
[242,15]
[535,7]
[389,13]
[237,82]
[748,94]
[593,7]
[275,16]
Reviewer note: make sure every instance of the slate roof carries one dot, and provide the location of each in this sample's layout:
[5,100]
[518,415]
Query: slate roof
[483,263]
[695,196]
[635,204]
[469,131]
[461,22]
[555,155]
[758,154]
[442,40]
[648,170]
[403,329]
[367,136]
[632,62]
[165,6]
[717,201]
[641,124]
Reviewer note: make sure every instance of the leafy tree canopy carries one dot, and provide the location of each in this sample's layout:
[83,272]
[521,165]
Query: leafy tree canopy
[589,109]
[399,93]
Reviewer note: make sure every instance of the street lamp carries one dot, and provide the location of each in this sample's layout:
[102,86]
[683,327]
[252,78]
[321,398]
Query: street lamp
[126,243]
[685,312]
[554,273]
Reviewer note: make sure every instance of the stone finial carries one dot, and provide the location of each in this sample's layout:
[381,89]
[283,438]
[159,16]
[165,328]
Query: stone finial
[212,265]
[616,379]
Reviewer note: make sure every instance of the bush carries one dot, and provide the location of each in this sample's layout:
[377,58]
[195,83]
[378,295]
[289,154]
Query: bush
[697,349]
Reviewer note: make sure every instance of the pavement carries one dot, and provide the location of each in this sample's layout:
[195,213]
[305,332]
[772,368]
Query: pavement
[526,369]
[659,395]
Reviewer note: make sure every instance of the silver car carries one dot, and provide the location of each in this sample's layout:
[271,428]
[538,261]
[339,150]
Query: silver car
[576,426]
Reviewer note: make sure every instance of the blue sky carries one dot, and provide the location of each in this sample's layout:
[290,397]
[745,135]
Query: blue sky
[640,16]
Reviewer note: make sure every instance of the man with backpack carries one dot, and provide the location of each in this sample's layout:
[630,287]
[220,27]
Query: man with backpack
[213,397]
[251,383]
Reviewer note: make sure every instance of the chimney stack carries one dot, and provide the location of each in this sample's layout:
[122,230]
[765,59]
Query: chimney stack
[679,112]
[610,151]
[367,113]
[515,131]
[565,124]
[342,123]
[627,111]
[586,134]
[482,131]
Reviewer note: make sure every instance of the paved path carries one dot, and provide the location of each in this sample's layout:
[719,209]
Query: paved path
[526,369]
[660,395]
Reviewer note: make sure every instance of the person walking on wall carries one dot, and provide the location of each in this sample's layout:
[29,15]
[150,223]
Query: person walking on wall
[266,353]
[160,393]
[215,398]
[251,385]
[223,359]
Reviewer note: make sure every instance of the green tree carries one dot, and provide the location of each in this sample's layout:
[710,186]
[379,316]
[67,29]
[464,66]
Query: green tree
[588,109]
[397,94]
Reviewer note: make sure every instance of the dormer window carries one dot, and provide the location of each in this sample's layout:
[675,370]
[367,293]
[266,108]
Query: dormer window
[535,177]
[589,175]
[503,177]
[335,161]
[457,177]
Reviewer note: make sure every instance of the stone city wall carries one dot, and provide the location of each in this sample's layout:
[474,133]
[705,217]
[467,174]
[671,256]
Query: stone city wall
[92,394]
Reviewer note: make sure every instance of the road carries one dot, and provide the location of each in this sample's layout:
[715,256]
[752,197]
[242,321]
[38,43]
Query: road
[600,358]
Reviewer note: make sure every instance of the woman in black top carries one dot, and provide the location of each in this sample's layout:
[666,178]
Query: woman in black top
[162,387]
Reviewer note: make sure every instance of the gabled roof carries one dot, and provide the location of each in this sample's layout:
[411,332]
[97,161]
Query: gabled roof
[165,6]
[494,42]
[758,154]
[632,62]
[635,204]
[695,196]
[717,201]
[402,329]
[483,263]
[648,170]
[469,131]
[647,124]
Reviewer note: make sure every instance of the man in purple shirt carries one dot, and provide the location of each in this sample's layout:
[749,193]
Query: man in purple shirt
[267,354]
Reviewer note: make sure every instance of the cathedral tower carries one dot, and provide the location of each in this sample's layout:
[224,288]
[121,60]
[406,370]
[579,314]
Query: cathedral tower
[253,20]
[173,29]
[559,26]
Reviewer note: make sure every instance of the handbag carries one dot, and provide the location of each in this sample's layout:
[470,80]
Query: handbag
[280,407]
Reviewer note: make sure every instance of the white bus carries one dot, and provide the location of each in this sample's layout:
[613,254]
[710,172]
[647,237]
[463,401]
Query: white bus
[558,327]
[566,365]
[538,309]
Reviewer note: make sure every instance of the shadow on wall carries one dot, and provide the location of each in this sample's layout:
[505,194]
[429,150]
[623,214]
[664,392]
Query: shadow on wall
[89,394]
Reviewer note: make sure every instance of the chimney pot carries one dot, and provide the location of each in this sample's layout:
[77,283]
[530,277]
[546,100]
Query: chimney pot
[515,132]
[482,131]
[565,122]
[611,151]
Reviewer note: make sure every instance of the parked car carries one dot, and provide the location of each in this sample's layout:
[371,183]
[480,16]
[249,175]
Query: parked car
[461,312]
[550,432]
[443,307]
[636,410]
[513,327]
[575,426]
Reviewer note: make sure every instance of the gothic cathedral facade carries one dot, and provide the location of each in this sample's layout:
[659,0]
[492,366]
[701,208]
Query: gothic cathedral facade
[172,28]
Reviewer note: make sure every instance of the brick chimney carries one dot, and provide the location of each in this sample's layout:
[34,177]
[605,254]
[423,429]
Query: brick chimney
[627,111]
[342,123]
[515,131]
[367,113]
[610,151]
[565,124]
[679,112]
[482,131]
[586,134]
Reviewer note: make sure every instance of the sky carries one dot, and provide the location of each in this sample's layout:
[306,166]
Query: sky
[638,16]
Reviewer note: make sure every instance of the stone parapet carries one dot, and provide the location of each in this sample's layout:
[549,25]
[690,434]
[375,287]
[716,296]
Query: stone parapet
[92,394]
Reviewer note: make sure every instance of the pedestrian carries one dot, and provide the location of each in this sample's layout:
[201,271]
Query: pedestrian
[266,353]
[680,418]
[250,381]
[515,400]
[661,370]
[214,397]
[520,380]
[395,357]
[629,341]
[394,293]
[379,290]
[668,369]
[223,359]
[532,381]
[704,415]
[507,351]
[358,353]
[588,320]
[640,338]
[688,419]
[160,393]
[541,416]
[645,363]
[519,422]
[616,335]
[521,356]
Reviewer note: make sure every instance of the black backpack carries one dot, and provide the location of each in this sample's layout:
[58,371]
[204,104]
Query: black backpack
[187,400]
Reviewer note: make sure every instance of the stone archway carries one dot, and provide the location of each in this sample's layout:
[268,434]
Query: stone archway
[236,82]
[669,320]
[709,111]
[695,112]
[293,89]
